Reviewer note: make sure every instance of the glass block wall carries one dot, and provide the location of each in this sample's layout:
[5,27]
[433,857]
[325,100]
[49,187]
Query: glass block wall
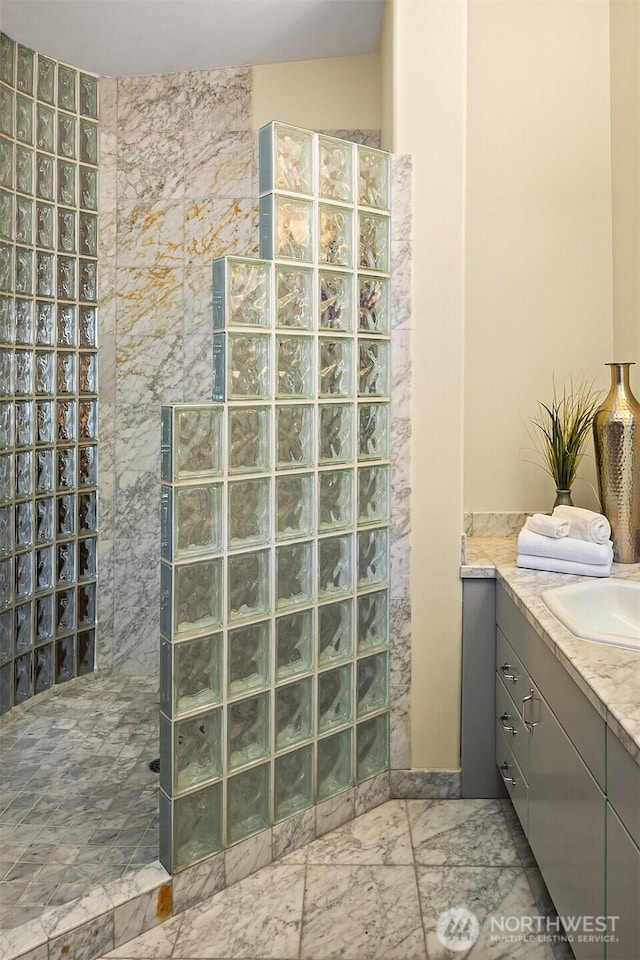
[48,371]
[275,512]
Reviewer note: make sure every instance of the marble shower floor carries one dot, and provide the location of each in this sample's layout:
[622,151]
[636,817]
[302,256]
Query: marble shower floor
[372,890]
[78,804]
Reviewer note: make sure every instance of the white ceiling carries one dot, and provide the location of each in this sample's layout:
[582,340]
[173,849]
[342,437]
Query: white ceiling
[135,37]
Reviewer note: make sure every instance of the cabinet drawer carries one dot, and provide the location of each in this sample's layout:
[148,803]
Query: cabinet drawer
[583,724]
[510,771]
[623,886]
[511,670]
[508,719]
[623,785]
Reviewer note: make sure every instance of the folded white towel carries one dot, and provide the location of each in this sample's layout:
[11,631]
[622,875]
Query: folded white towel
[546,526]
[568,548]
[585,524]
[563,566]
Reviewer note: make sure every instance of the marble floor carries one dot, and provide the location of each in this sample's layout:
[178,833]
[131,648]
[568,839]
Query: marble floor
[374,889]
[78,803]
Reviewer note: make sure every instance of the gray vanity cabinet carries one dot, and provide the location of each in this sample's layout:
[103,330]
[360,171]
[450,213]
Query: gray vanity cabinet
[623,889]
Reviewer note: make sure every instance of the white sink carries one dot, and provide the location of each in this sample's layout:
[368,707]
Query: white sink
[604,610]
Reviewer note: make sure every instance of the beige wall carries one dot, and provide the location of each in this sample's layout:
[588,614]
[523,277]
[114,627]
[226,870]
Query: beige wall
[625,164]
[538,249]
[342,93]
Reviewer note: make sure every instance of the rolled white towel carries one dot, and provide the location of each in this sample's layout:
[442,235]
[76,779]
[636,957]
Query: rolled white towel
[546,526]
[585,524]
[552,565]
[568,548]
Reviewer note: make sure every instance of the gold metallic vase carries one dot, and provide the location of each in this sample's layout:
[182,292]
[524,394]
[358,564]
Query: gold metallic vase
[616,434]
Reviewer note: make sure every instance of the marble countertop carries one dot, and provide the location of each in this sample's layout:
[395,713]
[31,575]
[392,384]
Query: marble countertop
[609,676]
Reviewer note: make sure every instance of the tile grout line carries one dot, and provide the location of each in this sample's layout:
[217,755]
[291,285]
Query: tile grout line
[415,873]
[304,902]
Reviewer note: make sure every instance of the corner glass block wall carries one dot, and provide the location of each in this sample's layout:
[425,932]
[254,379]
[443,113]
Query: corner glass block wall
[275,514]
[48,372]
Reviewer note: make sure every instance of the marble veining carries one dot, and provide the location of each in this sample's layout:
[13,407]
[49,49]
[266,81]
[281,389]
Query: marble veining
[425,784]
[380,836]
[459,832]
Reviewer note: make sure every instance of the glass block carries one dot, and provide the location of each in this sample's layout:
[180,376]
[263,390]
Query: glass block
[6,431]
[334,765]
[24,626]
[294,425]
[24,474]
[23,423]
[372,684]
[24,524]
[6,635]
[65,562]
[286,159]
[66,419]
[198,597]
[66,372]
[66,325]
[294,713]
[88,280]
[46,79]
[88,147]
[335,632]
[24,322]
[335,231]
[44,380]
[6,163]
[88,420]
[45,570]
[248,369]
[66,244]
[373,494]
[6,477]
[247,731]
[67,78]
[23,685]
[45,280]
[374,242]
[197,749]
[44,177]
[45,128]
[6,267]
[88,373]
[88,234]
[88,327]
[6,373]
[335,499]
[294,644]
[65,515]
[248,803]
[43,668]
[249,512]
[7,321]
[197,673]
[88,188]
[86,652]
[44,520]
[87,512]
[24,168]
[335,707]
[44,418]
[335,367]
[86,597]
[248,439]
[293,786]
[24,72]
[87,551]
[373,431]
[373,560]
[294,506]
[24,220]
[248,584]
[65,610]
[191,520]
[6,215]
[373,620]
[6,531]
[373,369]
[197,826]
[24,119]
[66,278]
[88,96]
[335,574]
[246,284]
[293,575]
[45,471]
[191,442]
[293,223]
[248,658]
[24,271]
[45,230]
[336,300]
[295,367]
[373,175]
[67,183]
[294,297]
[7,59]
[6,583]
[6,685]
[44,617]
[7,111]
[335,169]
[372,745]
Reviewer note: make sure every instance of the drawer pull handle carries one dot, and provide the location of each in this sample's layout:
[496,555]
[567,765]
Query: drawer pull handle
[509,676]
[504,769]
[506,725]
[529,724]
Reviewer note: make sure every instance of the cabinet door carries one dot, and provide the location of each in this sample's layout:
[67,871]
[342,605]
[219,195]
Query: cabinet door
[623,890]
[567,812]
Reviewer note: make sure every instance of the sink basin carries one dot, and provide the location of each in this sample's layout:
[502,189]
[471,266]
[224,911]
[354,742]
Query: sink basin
[604,610]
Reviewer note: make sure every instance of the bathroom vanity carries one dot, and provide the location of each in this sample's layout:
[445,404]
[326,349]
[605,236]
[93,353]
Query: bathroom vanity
[566,741]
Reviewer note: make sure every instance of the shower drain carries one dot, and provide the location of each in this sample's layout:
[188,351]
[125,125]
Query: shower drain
[154,766]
